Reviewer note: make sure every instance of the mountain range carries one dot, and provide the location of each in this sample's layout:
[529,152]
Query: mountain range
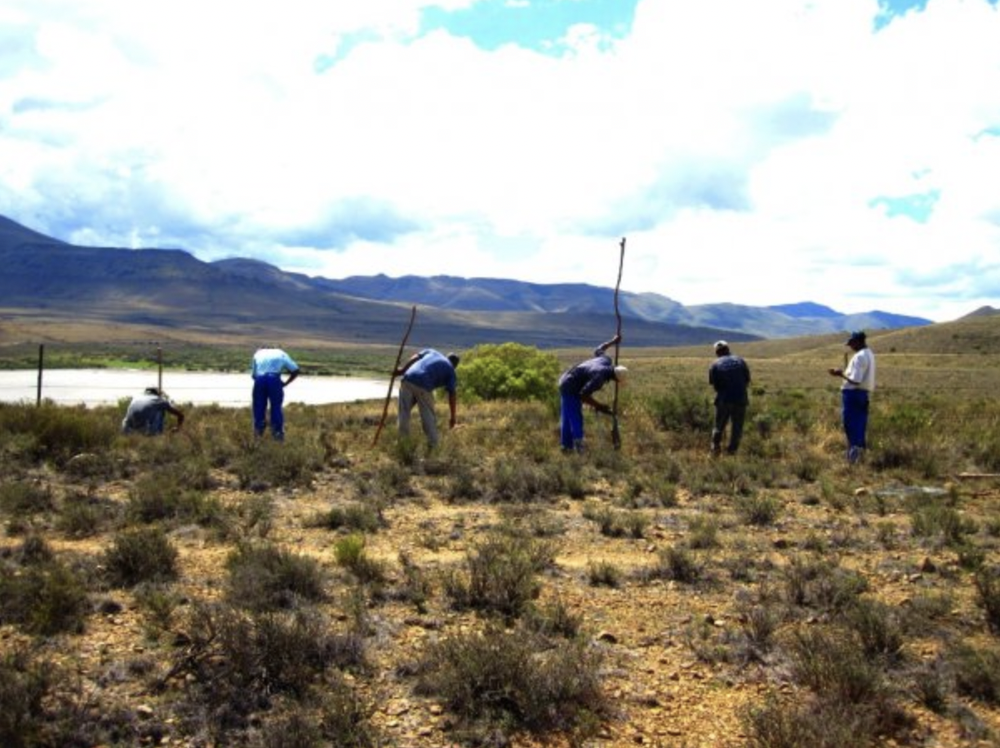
[51,281]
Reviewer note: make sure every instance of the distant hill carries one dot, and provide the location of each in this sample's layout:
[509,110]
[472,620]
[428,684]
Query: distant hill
[46,284]
[45,278]
[490,295]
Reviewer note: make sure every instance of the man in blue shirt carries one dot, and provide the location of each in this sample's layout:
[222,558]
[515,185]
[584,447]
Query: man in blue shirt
[422,374]
[577,386]
[730,376]
[266,368]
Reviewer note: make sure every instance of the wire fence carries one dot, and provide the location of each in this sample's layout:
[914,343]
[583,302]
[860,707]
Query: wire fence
[108,386]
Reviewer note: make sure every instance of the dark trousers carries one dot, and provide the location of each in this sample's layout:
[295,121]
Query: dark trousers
[268,390]
[733,415]
[854,409]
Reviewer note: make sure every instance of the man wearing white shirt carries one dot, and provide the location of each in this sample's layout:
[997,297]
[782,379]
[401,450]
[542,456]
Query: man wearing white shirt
[858,384]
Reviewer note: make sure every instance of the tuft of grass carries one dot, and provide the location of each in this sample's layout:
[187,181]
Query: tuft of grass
[676,563]
[603,574]
[758,508]
[350,554]
[351,516]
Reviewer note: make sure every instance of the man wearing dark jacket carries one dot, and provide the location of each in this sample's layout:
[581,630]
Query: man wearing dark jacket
[577,386]
[730,376]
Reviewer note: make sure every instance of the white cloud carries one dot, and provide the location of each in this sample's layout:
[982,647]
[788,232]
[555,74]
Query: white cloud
[740,146]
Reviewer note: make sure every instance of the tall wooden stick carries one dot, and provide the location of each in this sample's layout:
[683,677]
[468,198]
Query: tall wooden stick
[392,380]
[616,437]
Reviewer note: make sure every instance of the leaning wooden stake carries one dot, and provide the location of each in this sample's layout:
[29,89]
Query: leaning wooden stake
[392,380]
[616,437]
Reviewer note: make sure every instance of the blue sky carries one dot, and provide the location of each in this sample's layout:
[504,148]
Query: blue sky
[839,151]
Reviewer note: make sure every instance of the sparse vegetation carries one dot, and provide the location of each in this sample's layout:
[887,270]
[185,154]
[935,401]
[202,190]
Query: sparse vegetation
[207,587]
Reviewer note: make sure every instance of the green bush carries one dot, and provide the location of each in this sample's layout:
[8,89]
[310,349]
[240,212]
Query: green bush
[509,371]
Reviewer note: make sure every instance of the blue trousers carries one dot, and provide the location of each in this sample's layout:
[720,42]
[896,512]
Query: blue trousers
[571,421]
[854,409]
[268,390]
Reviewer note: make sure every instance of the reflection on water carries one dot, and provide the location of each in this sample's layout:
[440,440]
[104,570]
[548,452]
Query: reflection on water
[108,386]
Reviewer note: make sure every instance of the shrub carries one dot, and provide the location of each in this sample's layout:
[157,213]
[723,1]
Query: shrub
[684,408]
[603,574]
[267,463]
[142,555]
[265,577]
[59,433]
[20,498]
[24,684]
[43,598]
[512,680]
[341,718]
[501,575]
[553,619]
[351,516]
[524,482]
[676,563]
[155,497]
[835,666]
[758,508]
[977,672]
[83,516]
[509,371]
[703,532]
[350,554]
[988,598]
[616,524]
[818,584]
[878,627]
[238,660]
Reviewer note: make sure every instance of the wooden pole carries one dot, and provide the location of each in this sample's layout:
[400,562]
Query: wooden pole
[392,380]
[41,368]
[159,369]
[616,437]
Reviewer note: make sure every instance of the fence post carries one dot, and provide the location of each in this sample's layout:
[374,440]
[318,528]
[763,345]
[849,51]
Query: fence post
[41,367]
[159,368]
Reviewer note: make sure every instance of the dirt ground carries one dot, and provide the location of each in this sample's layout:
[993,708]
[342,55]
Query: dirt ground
[661,692]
